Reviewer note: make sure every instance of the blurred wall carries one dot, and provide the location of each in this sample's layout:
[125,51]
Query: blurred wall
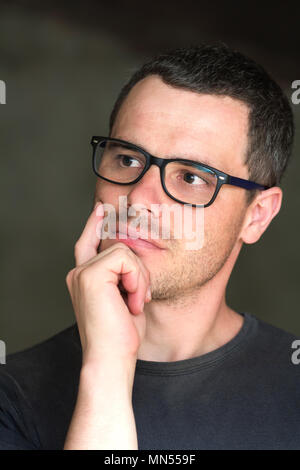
[62,77]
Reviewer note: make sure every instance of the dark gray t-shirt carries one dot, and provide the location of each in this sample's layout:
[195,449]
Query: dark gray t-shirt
[243,395]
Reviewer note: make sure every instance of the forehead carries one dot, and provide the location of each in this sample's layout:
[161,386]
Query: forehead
[169,121]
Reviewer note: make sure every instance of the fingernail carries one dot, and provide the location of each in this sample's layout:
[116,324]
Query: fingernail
[142,308]
[149,293]
[99,208]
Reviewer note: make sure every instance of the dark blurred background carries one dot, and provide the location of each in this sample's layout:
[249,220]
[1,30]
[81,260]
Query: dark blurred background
[63,64]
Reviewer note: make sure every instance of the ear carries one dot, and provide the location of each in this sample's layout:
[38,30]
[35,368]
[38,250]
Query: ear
[260,213]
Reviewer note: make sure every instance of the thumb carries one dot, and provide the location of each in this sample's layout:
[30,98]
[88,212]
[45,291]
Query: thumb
[87,245]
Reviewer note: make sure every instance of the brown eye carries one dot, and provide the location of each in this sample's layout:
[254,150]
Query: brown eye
[192,178]
[126,161]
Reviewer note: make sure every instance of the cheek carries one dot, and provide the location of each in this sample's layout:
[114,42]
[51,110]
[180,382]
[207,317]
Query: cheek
[109,193]
[219,225]
[223,229]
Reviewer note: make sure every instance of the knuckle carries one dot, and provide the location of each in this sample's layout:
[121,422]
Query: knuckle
[69,276]
[81,276]
[126,256]
[77,248]
[84,278]
[122,246]
[122,251]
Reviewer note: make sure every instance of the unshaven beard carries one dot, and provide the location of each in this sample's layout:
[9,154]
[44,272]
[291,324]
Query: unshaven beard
[189,270]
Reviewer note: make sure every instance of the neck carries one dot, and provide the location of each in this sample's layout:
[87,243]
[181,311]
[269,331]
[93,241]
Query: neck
[195,325]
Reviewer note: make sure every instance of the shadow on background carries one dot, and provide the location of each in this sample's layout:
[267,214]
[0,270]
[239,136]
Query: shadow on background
[63,68]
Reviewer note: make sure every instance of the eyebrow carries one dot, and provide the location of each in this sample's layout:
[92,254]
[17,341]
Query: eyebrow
[174,157]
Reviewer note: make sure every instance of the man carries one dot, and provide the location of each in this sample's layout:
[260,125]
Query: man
[157,359]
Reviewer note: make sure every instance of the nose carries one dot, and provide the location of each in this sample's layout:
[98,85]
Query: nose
[148,189]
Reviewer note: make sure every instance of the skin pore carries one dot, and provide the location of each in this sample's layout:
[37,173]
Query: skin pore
[188,315]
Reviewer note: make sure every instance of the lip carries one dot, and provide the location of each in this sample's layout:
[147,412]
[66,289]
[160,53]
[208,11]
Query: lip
[138,240]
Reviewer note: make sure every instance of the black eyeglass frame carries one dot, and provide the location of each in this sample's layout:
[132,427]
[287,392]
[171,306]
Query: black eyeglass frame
[222,178]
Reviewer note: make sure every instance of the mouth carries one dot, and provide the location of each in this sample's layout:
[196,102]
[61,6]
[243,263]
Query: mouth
[137,239]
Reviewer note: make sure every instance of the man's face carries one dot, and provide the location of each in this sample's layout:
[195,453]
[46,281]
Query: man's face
[168,123]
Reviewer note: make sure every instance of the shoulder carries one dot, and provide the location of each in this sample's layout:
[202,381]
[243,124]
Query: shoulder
[52,354]
[269,334]
[39,384]
[273,352]
[45,367]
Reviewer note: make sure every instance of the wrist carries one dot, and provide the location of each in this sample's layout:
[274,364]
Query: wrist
[108,374]
[93,357]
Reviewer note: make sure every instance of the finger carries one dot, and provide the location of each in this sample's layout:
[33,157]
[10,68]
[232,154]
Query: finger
[136,287]
[86,246]
[140,295]
[108,250]
[119,264]
[143,293]
[146,275]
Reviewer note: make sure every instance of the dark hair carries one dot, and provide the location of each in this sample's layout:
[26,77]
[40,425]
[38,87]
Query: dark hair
[219,70]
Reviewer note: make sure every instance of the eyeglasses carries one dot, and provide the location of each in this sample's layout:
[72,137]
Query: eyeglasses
[184,181]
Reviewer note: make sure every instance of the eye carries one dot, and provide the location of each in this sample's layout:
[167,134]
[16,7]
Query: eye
[192,178]
[126,160]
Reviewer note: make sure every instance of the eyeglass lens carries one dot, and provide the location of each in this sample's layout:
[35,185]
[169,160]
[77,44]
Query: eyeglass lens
[119,163]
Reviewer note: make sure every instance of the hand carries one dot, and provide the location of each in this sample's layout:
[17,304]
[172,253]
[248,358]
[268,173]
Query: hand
[110,323]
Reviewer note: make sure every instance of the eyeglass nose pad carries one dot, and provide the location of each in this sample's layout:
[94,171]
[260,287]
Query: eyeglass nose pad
[152,164]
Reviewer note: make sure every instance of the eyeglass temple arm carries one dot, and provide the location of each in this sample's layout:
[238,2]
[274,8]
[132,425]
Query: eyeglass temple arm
[246,184]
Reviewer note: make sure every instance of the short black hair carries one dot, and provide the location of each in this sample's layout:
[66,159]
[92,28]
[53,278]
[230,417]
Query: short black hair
[217,69]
